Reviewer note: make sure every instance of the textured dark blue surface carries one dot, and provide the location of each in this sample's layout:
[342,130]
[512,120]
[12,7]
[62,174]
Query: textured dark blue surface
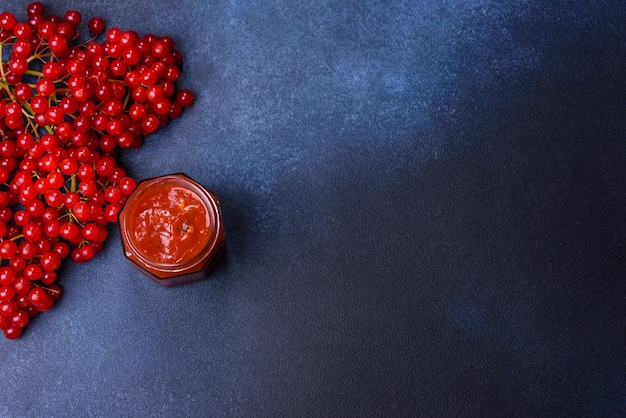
[425,208]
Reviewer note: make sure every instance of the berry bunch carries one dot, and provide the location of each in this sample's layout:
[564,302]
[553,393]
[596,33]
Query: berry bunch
[67,107]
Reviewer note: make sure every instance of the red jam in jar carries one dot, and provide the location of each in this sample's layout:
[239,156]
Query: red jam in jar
[172,229]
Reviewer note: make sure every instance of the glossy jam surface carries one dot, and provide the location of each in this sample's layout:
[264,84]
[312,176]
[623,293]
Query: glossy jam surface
[170,224]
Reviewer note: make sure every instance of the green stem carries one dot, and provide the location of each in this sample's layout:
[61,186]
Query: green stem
[33,73]
[73,183]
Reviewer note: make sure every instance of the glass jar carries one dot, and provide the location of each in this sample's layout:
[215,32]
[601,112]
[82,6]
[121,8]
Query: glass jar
[172,229]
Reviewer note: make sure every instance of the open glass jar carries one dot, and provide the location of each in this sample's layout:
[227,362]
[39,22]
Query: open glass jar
[172,229]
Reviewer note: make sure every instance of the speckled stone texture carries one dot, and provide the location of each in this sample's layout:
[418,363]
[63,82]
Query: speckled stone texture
[425,207]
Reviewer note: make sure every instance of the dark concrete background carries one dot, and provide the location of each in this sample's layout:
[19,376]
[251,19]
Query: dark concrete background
[425,211]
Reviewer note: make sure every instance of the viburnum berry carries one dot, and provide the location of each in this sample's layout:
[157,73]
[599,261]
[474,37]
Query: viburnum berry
[20,319]
[8,308]
[18,66]
[185,98]
[55,179]
[91,232]
[73,16]
[113,194]
[6,214]
[50,261]
[8,249]
[69,231]
[35,208]
[27,250]
[22,30]
[44,300]
[32,231]
[58,44]
[13,332]
[45,87]
[96,25]
[71,199]
[7,293]
[81,210]
[21,286]
[52,228]
[117,175]
[35,8]
[23,92]
[54,198]
[7,21]
[127,185]
[48,278]
[21,217]
[7,274]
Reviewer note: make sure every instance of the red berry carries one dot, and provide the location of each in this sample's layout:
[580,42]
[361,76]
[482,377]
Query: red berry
[7,274]
[58,44]
[127,185]
[185,98]
[91,232]
[20,319]
[69,231]
[113,194]
[8,308]
[52,228]
[54,198]
[73,16]
[13,332]
[22,30]
[23,92]
[45,87]
[111,211]
[96,25]
[21,286]
[32,231]
[8,249]
[7,21]
[45,304]
[50,261]
[81,211]
[6,293]
[35,8]
[33,272]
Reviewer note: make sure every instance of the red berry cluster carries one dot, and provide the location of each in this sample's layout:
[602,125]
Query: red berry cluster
[67,106]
